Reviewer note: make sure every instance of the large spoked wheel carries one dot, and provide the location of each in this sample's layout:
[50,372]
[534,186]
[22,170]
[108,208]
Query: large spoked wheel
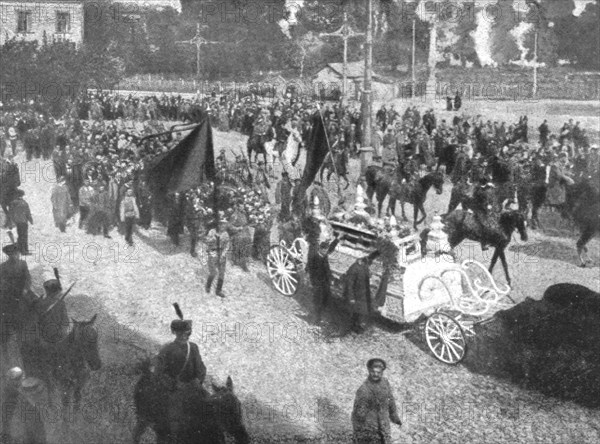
[445,338]
[282,270]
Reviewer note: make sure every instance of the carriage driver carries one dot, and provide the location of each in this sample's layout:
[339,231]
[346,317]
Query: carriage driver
[180,367]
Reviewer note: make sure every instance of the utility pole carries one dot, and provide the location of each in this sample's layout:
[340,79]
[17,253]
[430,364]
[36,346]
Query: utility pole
[197,40]
[366,151]
[535,63]
[414,77]
[345,32]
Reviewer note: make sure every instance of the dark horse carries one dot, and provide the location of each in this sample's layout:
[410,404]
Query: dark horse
[66,362]
[256,143]
[415,194]
[208,416]
[582,204]
[338,165]
[461,225]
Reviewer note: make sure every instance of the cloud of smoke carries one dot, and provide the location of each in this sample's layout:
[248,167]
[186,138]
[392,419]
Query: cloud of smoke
[519,33]
[482,38]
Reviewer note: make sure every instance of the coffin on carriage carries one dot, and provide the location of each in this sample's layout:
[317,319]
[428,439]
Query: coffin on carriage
[444,297]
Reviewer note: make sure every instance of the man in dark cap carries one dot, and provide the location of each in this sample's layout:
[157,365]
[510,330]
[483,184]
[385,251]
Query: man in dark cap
[180,367]
[15,281]
[20,215]
[374,407]
[320,274]
[357,291]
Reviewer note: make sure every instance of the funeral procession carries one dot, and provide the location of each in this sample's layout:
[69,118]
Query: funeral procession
[299,221]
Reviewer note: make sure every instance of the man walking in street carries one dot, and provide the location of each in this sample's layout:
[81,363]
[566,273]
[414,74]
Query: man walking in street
[218,246]
[62,206]
[129,212]
[374,407]
[85,201]
[20,215]
[241,241]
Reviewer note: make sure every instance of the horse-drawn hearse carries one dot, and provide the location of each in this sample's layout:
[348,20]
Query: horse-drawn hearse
[433,291]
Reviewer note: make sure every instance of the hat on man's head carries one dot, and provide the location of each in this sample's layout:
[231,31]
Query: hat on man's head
[376,362]
[180,325]
[10,249]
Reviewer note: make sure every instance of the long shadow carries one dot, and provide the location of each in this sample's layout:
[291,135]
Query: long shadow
[548,249]
[540,347]
[108,414]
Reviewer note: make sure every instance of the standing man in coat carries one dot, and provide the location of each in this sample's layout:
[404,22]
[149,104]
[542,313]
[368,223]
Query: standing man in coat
[357,291]
[374,407]
[241,241]
[20,215]
[61,204]
[320,275]
[129,212]
[217,243]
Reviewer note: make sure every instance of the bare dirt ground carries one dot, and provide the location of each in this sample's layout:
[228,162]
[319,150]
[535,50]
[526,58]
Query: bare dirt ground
[297,381]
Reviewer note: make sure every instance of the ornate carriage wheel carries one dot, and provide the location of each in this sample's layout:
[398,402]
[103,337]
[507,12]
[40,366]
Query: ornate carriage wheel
[282,270]
[445,338]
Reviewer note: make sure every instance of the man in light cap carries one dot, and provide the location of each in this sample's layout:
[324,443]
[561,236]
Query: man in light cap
[26,395]
[180,367]
[374,407]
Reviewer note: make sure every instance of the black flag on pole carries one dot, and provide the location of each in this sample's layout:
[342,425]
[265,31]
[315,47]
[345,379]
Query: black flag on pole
[316,152]
[189,164]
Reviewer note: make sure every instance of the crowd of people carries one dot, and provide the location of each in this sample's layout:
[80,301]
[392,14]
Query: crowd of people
[101,158]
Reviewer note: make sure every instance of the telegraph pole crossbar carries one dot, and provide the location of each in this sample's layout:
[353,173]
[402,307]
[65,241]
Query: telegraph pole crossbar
[345,32]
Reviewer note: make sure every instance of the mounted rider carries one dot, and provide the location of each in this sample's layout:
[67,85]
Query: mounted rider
[180,368]
[557,179]
[483,205]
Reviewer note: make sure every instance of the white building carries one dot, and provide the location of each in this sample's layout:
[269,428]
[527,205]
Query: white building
[52,20]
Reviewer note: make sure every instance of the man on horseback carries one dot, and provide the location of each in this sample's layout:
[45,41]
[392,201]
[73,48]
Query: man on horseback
[180,368]
[52,312]
[483,205]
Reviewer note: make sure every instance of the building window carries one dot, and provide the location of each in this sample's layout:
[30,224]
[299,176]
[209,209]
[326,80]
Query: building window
[23,22]
[63,22]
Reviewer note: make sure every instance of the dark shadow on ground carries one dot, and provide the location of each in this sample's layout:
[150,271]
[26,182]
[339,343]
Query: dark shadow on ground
[108,413]
[549,249]
[551,346]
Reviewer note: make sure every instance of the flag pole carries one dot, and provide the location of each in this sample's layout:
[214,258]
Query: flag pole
[329,149]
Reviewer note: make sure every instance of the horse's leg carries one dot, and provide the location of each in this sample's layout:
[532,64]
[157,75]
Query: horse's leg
[585,237]
[418,208]
[391,209]
[404,218]
[494,259]
[504,265]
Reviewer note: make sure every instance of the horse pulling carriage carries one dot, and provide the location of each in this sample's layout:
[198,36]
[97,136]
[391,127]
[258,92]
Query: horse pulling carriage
[434,292]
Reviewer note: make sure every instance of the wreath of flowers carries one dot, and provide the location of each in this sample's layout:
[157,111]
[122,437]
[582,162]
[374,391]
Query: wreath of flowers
[257,210]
